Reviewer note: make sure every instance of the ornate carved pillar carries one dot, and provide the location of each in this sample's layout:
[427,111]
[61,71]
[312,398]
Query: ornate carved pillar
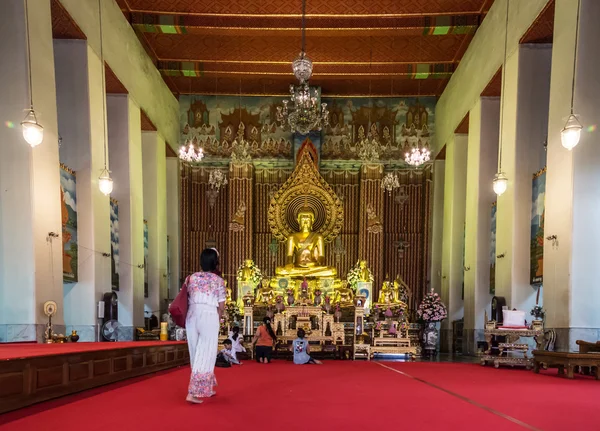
[371,235]
[241,228]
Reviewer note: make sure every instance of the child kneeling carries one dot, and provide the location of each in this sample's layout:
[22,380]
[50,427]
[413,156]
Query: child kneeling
[302,350]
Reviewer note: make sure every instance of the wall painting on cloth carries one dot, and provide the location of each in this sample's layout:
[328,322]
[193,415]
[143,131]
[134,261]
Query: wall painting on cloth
[493,252]
[145,259]
[114,243]
[536,273]
[69,223]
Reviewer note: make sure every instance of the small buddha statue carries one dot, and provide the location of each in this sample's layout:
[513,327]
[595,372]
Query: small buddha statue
[364,274]
[305,256]
[401,290]
[342,294]
[386,294]
[228,293]
[305,293]
[247,271]
[265,293]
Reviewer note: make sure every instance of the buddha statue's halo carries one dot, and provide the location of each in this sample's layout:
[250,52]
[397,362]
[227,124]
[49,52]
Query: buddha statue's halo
[305,188]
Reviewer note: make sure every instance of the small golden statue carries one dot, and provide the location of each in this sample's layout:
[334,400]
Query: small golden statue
[246,272]
[389,293]
[229,293]
[364,273]
[342,294]
[305,251]
[401,290]
[265,294]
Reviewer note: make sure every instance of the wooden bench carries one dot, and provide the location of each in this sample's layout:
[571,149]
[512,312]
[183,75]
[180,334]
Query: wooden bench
[587,347]
[393,345]
[568,360]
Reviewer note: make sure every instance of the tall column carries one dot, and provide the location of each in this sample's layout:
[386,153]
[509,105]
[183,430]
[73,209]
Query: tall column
[437,227]
[80,121]
[370,243]
[125,152]
[571,294]
[484,124]
[30,206]
[155,213]
[453,235]
[173,227]
[525,101]
[241,232]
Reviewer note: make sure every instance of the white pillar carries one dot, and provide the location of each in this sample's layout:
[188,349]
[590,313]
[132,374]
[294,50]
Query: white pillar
[571,294]
[30,260]
[173,229]
[437,228]
[81,124]
[125,150]
[484,123]
[526,95]
[155,213]
[453,235]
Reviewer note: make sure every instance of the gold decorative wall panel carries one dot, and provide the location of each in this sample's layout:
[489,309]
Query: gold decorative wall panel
[406,223]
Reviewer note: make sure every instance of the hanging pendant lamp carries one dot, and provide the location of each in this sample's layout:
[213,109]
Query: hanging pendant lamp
[105,182]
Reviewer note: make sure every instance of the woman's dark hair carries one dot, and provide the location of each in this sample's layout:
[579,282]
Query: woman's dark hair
[301,333]
[236,332]
[209,260]
[267,322]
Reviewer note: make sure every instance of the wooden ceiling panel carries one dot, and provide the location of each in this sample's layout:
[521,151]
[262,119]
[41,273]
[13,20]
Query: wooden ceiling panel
[411,49]
[542,29]
[63,26]
[407,47]
[313,7]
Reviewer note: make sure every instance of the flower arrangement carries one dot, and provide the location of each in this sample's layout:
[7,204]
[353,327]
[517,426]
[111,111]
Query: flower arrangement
[432,309]
[353,276]
[256,276]
[538,312]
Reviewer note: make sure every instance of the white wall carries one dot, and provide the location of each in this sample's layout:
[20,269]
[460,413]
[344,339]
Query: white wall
[173,230]
[437,226]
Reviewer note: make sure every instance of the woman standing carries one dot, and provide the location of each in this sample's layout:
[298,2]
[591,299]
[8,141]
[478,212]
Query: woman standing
[206,301]
[264,339]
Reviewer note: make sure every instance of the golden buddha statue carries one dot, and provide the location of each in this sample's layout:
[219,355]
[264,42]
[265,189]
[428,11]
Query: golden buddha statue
[388,294]
[342,294]
[228,293]
[364,274]
[265,294]
[401,290]
[305,255]
[247,271]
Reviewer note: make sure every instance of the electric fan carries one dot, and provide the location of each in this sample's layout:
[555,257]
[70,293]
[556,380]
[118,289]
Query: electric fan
[110,330]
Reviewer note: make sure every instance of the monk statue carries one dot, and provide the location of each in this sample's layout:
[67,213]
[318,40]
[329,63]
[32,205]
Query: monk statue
[401,290]
[388,294]
[246,272]
[342,294]
[305,255]
[364,274]
[265,293]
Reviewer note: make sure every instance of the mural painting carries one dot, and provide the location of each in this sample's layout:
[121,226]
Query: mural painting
[114,243]
[537,228]
[360,128]
[69,223]
[493,252]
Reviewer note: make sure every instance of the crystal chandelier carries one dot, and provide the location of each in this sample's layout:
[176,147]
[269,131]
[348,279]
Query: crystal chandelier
[303,113]
[418,155]
[189,153]
[390,182]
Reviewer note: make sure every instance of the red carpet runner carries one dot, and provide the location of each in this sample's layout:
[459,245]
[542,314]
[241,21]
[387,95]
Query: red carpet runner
[338,395]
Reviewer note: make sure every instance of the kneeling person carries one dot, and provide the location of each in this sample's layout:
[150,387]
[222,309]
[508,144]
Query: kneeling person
[302,350]
[227,355]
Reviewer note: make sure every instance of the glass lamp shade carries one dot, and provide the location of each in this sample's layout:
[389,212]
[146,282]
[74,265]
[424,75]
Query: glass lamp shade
[105,182]
[33,132]
[571,133]
[500,183]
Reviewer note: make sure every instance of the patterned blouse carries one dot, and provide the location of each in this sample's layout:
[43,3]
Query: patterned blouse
[206,288]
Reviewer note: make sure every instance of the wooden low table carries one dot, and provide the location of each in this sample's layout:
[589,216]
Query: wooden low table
[568,360]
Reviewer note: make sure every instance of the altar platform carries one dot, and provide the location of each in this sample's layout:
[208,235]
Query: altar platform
[31,373]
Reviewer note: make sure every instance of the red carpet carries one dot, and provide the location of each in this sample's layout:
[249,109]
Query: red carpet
[340,395]
[17,351]
[545,401]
